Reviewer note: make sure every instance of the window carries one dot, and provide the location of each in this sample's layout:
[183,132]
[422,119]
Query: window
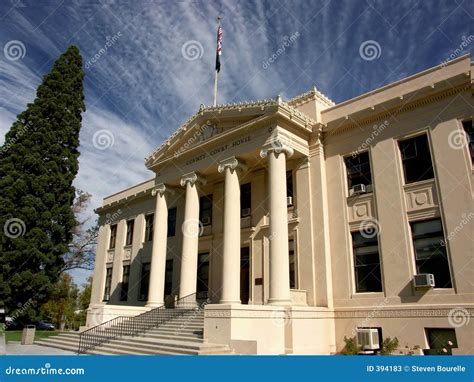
[125,281]
[108,283]
[245,199]
[130,225]
[366,263]
[289,184]
[144,282]
[416,159]
[172,222]
[205,210]
[202,276]
[291,247]
[169,277]
[149,227]
[430,251]
[113,236]
[467,125]
[358,169]
[439,338]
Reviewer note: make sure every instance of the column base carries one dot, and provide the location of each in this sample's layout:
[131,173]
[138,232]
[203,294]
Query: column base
[153,305]
[229,302]
[279,301]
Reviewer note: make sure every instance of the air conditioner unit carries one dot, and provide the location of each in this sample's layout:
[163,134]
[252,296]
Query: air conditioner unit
[206,220]
[368,339]
[424,280]
[289,201]
[246,212]
[358,189]
[106,297]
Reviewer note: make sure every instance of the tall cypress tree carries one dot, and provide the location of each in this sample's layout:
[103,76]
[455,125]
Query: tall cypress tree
[38,163]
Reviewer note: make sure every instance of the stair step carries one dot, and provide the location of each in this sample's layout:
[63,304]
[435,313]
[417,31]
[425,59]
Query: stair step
[140,349]
[62,346]
[172,337]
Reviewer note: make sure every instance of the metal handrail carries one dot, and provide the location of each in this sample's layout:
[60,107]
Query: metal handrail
[133,325]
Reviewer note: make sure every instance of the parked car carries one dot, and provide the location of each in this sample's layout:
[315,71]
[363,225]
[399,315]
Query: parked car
[42,325]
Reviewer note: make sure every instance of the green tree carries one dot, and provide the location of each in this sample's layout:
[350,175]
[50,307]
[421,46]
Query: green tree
[63,301]
[38,163]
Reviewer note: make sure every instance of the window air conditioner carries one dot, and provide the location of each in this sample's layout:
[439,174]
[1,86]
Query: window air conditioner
[358,189]
[206,220]
[424,280]
[106,297]
[368,339]
[246,212]
[289,201]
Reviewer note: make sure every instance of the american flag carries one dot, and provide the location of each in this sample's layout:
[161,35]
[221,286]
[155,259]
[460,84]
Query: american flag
[219,49]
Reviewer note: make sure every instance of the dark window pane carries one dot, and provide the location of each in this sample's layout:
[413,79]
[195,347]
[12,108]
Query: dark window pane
[130,225]
[149,220]
[289,183]
[467,125]
[144,282]
[430,251]
[358,169]
[245,198]
[291,247]
[125,282]
[172,222]
[108,283]
[113,236]
[202,275]
[205,210]
[416,159]
[368,276]
[169,277]
[438,338]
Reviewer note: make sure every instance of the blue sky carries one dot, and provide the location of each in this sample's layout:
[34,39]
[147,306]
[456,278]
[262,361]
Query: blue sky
[158,65]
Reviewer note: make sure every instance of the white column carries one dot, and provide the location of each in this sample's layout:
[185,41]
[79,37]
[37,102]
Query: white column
[279,257]
[158,256]
[191,228]
[231,254]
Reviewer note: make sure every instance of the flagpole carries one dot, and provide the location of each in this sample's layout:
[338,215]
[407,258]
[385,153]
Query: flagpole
[216,72]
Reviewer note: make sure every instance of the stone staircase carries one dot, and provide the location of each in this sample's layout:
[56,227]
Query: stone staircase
[179,336]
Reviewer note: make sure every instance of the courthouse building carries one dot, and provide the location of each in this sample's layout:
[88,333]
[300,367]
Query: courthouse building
[303,221]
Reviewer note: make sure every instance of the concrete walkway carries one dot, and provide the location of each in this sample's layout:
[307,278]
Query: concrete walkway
[16,348]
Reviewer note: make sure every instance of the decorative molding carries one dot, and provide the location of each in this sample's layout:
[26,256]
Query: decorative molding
[298,297]
[110,255]
[397,313]
[192,178]
[313,94]
[158,189]
[127,252]
[232,163]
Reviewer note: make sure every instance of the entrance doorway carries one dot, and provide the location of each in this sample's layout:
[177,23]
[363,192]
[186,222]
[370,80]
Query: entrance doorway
[245,275]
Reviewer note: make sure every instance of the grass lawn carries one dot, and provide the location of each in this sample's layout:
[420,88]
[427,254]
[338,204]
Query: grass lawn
[15,335]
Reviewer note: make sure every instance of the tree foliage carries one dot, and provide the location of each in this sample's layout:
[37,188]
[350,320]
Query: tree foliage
[38,163]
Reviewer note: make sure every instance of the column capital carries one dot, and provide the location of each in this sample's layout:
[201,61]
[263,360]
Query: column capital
[192,178]
[277,146]
[232,163]
[158,189]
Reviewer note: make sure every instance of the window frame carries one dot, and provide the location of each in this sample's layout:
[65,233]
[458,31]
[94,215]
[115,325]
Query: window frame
[149,227]
[418,135]
[108,283]
[129,234]
[124,286]
[248,202]
[144,284]
[113,236]
[370,242]
[347,158]
[171,222]
[207,211]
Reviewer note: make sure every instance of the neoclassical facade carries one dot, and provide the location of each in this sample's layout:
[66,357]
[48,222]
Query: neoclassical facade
[303,221]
